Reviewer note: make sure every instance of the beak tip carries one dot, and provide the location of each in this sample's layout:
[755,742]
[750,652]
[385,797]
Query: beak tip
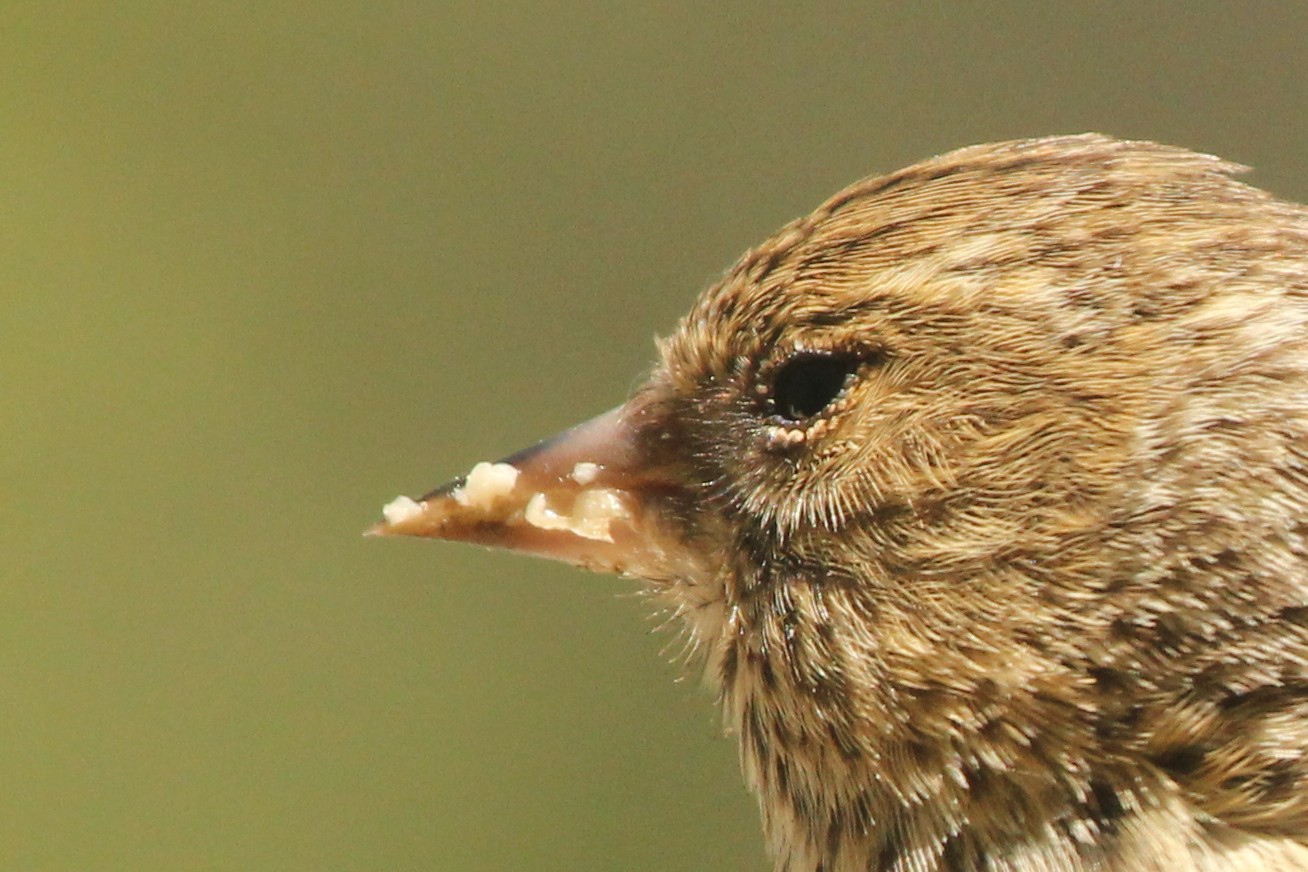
[398,518]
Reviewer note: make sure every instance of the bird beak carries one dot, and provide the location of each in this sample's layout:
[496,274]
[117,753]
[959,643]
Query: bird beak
[584,497]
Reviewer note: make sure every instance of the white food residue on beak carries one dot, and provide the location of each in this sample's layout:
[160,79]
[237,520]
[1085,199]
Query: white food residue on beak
[401,509]
[592,513]
[584,473]
[487,483]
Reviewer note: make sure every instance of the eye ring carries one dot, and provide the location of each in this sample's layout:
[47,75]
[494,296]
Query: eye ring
[807,383]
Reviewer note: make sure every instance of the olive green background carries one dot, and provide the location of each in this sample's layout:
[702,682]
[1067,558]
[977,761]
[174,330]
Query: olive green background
[265,265]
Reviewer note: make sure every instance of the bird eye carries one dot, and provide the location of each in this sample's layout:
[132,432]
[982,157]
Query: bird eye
[809,382]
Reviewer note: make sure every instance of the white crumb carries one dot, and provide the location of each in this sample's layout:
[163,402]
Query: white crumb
[487,482]
[591,515]
[538,514]
[595,509]
[584,473]
[401,509]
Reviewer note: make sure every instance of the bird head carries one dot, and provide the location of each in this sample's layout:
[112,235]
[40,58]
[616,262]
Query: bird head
[952,477]
[934,389]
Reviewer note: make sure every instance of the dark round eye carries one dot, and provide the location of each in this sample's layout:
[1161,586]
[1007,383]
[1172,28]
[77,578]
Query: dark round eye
[808,382]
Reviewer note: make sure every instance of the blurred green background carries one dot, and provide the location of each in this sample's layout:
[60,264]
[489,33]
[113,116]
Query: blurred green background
[266,265]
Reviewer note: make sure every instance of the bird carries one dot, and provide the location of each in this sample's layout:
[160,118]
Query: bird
[982,494]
